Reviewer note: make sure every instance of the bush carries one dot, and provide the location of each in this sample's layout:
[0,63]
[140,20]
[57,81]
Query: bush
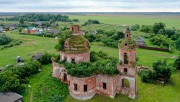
[146,28]
[157,26]
[177,44]
[147,76]
[162,70]
[4,39]
[13,77]
[106,65]
[161,40]
[90,21]
[177,63]
[45,59]
[135,27]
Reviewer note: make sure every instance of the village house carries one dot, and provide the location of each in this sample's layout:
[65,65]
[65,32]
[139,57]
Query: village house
[54,31]
[84,88]
[10,97]
[30,30]
[11,26]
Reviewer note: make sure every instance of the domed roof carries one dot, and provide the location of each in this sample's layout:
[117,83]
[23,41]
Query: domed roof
[76,44]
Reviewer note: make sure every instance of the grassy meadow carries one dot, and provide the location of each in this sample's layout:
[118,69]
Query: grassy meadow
[130,19]
[146,92]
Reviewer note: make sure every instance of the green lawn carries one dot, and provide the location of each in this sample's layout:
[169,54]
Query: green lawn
[130,19]
[31,44]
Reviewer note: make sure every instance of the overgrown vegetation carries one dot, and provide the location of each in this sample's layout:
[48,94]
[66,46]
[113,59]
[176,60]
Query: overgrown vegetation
[161,71]
[4,39]
[50,90]
[103,65]
[19,76]
[6,42]
[90,21]
[109,38]
[177,63]
[45,59]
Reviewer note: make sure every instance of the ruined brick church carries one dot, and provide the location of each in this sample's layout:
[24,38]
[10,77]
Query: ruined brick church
[85,88]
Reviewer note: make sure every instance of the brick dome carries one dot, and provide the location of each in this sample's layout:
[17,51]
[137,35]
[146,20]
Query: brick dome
[76,44]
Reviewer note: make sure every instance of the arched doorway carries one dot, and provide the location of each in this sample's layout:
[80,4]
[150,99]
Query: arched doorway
[125,58]
[65,77]
[125,83]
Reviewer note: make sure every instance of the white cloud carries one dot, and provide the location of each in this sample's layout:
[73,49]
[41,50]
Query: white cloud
[89,6]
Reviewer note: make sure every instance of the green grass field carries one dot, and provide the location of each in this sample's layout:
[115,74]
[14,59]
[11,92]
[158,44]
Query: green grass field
[31,44]
[130,19]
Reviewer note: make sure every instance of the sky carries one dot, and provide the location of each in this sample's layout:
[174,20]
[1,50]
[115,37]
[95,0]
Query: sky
[89,5]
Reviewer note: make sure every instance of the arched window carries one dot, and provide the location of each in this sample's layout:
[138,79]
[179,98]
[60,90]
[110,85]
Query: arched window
[65,77]
[125,70]
[125,58]
[72,29]
[125,83]
[85,88]
[75,87]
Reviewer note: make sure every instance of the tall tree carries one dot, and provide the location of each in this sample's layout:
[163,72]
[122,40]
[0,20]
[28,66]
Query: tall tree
[158,26]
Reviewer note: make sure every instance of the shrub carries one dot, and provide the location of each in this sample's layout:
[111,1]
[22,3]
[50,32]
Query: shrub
[13,77]
[157,26]
[45,59]
[4,39]
[106,65]
[162,70]
[146,28]
[177,63]
[147,76]
[161,40]
[177,43]
[135,27]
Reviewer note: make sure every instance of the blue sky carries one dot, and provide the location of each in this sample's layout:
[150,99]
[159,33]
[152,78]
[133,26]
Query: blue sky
[89,5]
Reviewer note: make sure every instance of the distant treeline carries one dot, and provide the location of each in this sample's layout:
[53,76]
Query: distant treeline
[40,17]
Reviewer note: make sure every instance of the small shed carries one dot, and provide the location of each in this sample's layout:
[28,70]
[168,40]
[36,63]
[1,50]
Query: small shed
[140,41]
[12,28]
[10,97]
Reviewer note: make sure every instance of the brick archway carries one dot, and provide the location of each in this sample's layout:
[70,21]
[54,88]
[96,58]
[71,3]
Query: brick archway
[125,83]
